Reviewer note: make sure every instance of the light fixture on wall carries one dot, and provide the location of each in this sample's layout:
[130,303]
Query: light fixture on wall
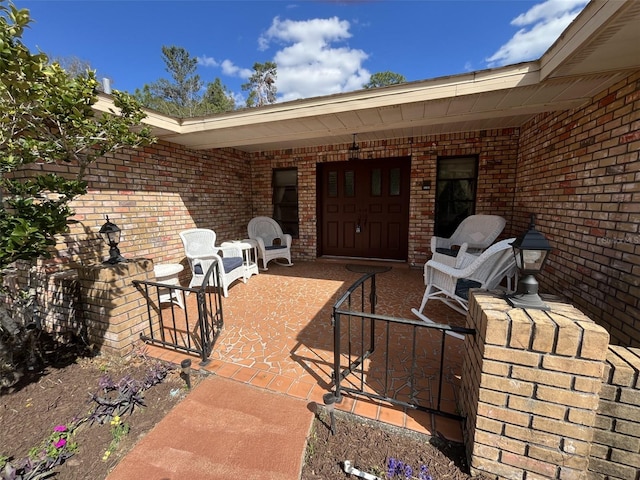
[531,250]
[354,150]
[110,233]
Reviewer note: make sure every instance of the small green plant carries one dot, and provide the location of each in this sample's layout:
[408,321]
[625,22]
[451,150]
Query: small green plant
[118,431]
[53,451]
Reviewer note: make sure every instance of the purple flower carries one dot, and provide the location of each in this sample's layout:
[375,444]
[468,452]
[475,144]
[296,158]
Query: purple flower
[424,473]
[60,443]
[408,471]
[60,428]
[391,467]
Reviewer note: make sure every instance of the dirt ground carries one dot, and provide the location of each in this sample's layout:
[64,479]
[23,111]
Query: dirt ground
[370,445]
[61,392]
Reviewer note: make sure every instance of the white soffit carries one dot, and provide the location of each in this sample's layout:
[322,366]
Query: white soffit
[605,37]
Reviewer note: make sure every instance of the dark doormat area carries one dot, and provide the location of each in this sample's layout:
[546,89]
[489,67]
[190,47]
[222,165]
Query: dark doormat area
[353,267]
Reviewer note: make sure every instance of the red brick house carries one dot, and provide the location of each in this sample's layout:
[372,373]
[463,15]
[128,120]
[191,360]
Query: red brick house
[558,137]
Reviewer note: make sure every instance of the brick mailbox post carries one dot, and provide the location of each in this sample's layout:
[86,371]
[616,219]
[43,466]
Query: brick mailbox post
[115,311]
[530,389]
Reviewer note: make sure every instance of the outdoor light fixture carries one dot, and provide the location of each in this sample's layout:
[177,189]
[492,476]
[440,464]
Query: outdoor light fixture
[354,150]
[329,400]
[531,250]
[185,365]
[111,235]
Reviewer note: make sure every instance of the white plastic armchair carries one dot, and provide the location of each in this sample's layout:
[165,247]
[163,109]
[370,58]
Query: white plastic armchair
[273,244]
[201,252]
[451,285]
[474,234]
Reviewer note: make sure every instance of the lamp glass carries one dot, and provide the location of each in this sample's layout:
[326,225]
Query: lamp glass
[530,261]
[110,232]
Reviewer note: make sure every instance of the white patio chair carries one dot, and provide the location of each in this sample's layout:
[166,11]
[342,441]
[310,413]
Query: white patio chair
[451,285]
[474,234]
[273,244]
[201,252]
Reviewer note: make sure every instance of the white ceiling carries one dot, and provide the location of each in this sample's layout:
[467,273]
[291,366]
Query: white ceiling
[599,48]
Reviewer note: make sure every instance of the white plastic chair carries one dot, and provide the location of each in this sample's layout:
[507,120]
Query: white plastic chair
[272,243]
[451,285]
[474,234]
[200,250]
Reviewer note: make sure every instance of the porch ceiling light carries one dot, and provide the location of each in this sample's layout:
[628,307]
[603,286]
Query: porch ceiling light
[110,233]
[531,250]
[354,150]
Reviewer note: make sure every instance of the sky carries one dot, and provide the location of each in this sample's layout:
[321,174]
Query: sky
[320,47]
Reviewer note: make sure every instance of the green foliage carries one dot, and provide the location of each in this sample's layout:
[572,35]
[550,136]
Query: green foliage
[262,84]
[180,96]
[47,117]
[119,430]
[42,459]
[383,79]
[217,98]
[58,446]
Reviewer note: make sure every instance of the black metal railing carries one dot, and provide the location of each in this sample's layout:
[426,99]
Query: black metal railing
[395,360]
[171,323]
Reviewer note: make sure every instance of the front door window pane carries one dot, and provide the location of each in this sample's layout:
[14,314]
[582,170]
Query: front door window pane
[349,184]
[376,182]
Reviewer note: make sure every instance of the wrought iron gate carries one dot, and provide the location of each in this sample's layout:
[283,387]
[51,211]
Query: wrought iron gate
[396,360]
[186,329]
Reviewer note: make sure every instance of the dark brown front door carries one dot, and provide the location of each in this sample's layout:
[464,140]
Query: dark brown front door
[364,208]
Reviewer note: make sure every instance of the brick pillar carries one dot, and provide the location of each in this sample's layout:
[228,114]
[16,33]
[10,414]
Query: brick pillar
[530,389]
[115,311]
[616,441]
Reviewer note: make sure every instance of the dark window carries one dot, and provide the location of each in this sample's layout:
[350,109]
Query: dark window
[285,199]
[455,192]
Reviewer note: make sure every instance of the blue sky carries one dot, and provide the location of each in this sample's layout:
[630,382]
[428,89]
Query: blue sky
[320,47]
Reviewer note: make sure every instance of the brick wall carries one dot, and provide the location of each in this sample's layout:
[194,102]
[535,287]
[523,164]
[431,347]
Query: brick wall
[154,193]
[615,454]
[530,389]
[579,172]
[497,151]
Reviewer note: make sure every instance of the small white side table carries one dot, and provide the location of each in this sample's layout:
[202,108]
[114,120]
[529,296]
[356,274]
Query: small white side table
[167,273]
[249,249]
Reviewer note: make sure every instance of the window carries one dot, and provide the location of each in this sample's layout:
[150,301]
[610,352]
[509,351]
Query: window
[285,199]
[455,192]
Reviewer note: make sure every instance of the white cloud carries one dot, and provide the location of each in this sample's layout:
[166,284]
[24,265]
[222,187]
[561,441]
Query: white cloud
[309,64]
[206,61]
[229,68]
[541,25]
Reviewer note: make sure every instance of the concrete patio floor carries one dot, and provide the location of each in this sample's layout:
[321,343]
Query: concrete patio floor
[278,336]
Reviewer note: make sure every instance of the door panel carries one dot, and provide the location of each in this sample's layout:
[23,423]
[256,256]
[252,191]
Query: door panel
[372,198]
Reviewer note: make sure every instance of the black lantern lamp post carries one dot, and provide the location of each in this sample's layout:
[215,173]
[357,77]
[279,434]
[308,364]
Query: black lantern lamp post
[531,250]
[354,150]
[111,235]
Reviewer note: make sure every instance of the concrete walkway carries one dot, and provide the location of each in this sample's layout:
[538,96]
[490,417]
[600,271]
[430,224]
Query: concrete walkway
[224,429]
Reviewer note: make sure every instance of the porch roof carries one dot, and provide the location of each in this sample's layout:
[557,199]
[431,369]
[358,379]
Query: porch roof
[599,48]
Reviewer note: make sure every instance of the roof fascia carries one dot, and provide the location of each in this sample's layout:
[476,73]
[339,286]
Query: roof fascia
[512,76]
[159,122]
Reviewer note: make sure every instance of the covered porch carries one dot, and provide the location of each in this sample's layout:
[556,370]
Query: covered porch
[278,335]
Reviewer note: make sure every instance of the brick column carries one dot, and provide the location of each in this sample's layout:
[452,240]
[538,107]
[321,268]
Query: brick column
[115,311]
[616,441]
[530,389]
